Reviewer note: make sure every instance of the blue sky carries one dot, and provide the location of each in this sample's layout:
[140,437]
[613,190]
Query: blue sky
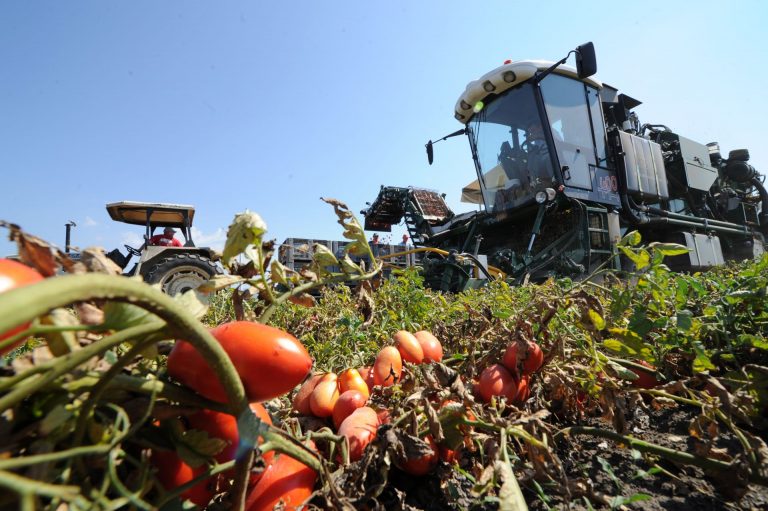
[270,105]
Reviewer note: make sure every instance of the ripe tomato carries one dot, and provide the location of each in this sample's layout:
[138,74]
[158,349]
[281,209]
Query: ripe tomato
[172,472]
[347,403]
[350,379]
[300,401]
[409,347]
[286,480]
[509,360]
[359,429]
[270,362]
[534,358]
[13,274]
[433,350]
[423,464]
[224,426]
[523,389]
[495,380]
[366,372]
[388,367]
[644,380]
[324,397]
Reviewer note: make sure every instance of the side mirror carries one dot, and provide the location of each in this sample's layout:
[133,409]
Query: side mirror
[430,152]
[586,63]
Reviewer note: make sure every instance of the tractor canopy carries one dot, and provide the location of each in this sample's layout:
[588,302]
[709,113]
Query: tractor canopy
[151,213]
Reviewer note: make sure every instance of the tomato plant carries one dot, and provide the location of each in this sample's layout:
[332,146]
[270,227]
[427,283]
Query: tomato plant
[270,362]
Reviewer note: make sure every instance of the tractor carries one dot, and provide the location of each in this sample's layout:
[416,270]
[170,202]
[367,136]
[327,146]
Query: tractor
[564,169]
[176,269]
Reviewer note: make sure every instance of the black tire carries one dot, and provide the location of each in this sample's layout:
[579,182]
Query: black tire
[181,272]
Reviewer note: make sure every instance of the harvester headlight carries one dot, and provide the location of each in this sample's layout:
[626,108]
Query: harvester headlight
[548,194]
[465,105]
[509,76]
[488,86]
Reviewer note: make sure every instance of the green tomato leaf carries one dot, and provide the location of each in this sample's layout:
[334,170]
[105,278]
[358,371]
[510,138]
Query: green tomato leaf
[597,319]
[631,239]
[669,249]
[121,315]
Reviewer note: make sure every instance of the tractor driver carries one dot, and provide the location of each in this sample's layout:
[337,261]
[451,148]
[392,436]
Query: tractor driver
[539,161]
[167,239]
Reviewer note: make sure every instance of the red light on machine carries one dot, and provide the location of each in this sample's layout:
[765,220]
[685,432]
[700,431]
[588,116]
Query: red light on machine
[508,61]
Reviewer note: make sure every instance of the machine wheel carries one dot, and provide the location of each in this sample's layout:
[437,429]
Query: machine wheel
[181,272]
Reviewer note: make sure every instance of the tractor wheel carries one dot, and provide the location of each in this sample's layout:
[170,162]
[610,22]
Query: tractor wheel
[181,272]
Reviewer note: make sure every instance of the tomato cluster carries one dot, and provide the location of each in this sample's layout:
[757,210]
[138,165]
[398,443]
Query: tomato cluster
[343,398]
[270,362]
[511,377]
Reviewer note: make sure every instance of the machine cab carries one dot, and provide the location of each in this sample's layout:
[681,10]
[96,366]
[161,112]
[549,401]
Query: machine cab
[528,135]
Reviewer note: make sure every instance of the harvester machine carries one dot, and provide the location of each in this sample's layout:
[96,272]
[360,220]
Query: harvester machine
[564,169]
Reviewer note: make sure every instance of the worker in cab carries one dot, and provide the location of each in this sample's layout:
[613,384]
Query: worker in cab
[167,239]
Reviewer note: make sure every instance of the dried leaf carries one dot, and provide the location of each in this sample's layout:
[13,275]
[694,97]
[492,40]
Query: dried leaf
[303,300]
[96,261]
[246,230]
[60,343]
[89,314]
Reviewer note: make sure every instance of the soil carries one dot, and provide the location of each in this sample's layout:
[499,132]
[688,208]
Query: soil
[605,470]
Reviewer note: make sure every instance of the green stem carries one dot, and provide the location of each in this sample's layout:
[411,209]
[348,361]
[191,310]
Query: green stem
[70,361]
[98,390]
[139,385]
[512,430]
[47,329]
[23,304]
[25,486]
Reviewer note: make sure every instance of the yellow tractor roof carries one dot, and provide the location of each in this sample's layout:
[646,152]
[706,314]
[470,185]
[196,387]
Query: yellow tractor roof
[158,214]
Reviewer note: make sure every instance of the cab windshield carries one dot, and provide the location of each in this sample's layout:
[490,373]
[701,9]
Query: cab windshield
[512,155]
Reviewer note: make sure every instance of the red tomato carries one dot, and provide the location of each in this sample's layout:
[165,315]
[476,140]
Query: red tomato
[433,350]
[383,416]
[509,360]
[366,373]
[448,455]
[359,429]
[644,380]
[533,358]
[172,472]
[13,274]
[300,401]
[224,426]
[388,367]
[495,380]
[424,464]
[285,481]
[350,379]
[523,390]
[324,397]
[409,347]
[270,362]
[347,403]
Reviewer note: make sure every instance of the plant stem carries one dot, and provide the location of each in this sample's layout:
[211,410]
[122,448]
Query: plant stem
[70,361]
[23,304]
